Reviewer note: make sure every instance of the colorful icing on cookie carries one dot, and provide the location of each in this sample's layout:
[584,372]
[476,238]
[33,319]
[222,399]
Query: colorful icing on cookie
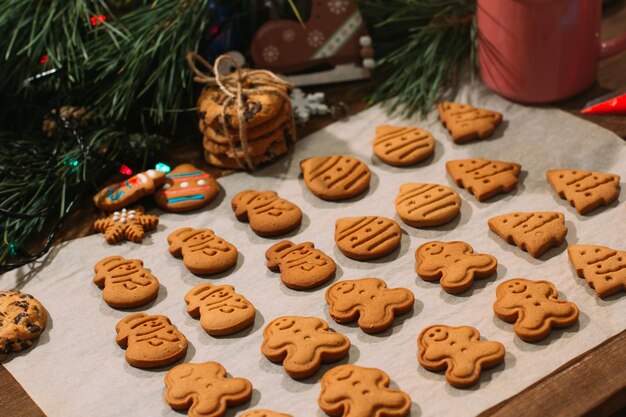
[122,194]
[186,188]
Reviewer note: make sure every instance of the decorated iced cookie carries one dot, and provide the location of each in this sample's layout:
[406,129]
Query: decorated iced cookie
[122,194]
[603,268]
[402,145]
[22,320]
[301,266]
[335,177]
[204,389]
[367,237]
[355,391]
[125,282]
[202,251]
[459,351]
[186,188]
[369,302]
[150,341]
[427,205]
[267,213]
[584,190]
[221,310]
[126,225]
[302,344]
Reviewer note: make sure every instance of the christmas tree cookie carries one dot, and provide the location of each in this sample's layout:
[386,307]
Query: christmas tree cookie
[584,190]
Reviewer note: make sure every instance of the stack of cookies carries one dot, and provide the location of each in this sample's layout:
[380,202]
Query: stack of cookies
[268,124]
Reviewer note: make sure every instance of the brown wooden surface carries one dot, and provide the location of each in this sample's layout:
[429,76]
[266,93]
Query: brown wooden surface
[592,384]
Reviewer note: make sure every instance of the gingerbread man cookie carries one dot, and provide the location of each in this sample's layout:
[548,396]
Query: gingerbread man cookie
[204,389]
[454,263]
[402,145]
[125,282]
[484,178]
[22,320]
[367,237]
[302,344]
[336,177]
[584,190]
[122,194]
[533,232]
[203,252]
[368,300]
[221,310]
[533,307]
[264,413]
[355,391]
[603,268]
[150,341]
[427,205]
[459,351]
[126,225]
[186,188]
[465,122]
[301,266]
[268,214]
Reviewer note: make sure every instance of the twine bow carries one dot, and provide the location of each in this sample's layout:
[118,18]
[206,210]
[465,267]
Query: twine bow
[233,87]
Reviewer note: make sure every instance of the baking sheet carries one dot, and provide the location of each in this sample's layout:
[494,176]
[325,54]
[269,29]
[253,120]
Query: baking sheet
[78,370]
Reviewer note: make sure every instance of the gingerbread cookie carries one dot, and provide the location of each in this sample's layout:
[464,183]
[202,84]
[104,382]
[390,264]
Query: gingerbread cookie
[125,282]
[301,266]
[302,344]
[186,188]
[465,122]
[122,194]
[603,268]
[533,308]
[275,150]
[454,263]
[335,177]
[533,232]
[483,177]
[355,391]
[203,252]
[204,389]
[126,225]
[584,190]
[268,214]
[150,341]
[22,320]
[367,237]
[427,205]
[402,145]
[264,413]
[459,351]
[221,310]
[368,300]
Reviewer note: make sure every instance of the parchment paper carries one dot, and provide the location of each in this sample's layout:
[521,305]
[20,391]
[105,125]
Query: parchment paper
[77,369]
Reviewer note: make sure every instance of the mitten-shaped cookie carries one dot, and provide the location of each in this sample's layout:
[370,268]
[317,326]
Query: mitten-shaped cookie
[454,263]
[483,177]
[301,266]
[465,122]
[122,194]
[264,413]
[368,300]
[302,344]
[128,225]
[221,310]
[150,341]
[355,391]
[584,190]
[335,177]
[427,205]
[533,307]
[268,214]
[459,351]
[125,282]
[367,237]
[204,389]
[533,232]
[603,268]
[203,252]
[402,145]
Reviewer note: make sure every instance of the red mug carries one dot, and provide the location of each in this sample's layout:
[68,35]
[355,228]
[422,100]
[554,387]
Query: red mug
[539,51]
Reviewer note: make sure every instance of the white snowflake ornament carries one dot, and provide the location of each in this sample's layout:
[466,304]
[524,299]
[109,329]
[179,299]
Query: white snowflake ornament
[307,105]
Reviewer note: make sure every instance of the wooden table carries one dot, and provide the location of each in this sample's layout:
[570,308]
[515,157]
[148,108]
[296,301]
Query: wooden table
[593,383]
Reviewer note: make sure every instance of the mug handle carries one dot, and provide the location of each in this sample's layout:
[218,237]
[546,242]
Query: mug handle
[613,46]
